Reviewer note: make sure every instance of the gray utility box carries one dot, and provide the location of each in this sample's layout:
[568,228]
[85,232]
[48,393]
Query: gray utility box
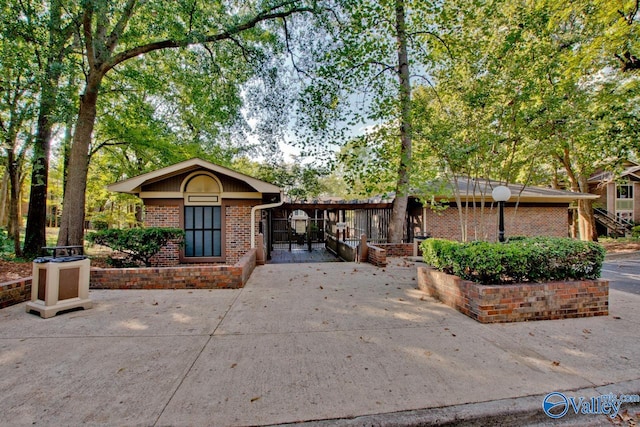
[60,282]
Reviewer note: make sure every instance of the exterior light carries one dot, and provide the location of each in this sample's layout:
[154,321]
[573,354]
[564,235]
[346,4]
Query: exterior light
[501,194]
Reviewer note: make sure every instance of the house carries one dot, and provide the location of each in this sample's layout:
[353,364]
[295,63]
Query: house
[530,211]
[218,208]
[618,203]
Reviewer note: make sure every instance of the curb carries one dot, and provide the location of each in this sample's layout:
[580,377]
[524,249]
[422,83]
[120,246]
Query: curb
[622,255]
[521,411]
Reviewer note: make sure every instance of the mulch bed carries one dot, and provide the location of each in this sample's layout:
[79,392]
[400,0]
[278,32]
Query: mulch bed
[13,270]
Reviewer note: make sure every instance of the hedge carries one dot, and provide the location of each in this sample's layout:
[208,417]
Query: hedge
[139,244]
[534,259]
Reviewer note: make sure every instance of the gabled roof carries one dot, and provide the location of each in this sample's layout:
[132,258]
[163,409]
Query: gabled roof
[630,170]
[481,189]
[134,185]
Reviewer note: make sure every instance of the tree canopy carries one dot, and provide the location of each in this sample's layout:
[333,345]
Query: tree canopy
[395,93]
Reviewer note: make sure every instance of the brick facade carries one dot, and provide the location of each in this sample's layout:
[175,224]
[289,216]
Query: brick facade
[527,221]
[518,302]
[237,229]
[165,216]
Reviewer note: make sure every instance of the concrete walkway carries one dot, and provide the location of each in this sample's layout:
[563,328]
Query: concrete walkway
[349,343]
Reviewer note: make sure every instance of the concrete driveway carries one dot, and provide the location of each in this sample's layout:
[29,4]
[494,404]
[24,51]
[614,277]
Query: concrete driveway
[349,343]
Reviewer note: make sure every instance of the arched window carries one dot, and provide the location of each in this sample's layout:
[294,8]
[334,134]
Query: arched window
[202,184]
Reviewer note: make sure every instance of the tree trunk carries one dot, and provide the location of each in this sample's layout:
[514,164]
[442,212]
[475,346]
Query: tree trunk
[579,183]
[73,205]
[4,196]
[13,166]
[399,211]
[35,234]
[585,212]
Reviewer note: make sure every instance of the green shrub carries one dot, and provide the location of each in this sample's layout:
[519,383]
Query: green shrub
[635,231]
[439,253]
[536,259]
[99,224]
[139,244]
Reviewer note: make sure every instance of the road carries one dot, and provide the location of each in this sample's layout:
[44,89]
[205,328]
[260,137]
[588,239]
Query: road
[623,274]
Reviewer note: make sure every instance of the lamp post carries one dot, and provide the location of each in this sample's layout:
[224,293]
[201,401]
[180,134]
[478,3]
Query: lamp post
[501,194]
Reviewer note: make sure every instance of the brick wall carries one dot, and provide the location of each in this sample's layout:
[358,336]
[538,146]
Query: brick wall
[182,277]
[15,292]
[528,221]
[238,230]
[518,302]
[397,249]
[377,256]
[165,216]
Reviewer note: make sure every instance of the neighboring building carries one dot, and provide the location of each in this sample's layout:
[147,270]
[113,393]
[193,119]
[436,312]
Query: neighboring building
[531,211]
[618,203]
[213,204]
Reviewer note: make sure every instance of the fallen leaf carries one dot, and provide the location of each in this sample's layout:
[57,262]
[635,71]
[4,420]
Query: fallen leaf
[253,399]
[624,415]
[155,303]
[586,331]
[234,365]
[321,287]
[555,363]
[531,333]
[617,317]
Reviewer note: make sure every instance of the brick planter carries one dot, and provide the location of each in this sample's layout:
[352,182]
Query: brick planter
[517,302]
[179,277]
[15,292]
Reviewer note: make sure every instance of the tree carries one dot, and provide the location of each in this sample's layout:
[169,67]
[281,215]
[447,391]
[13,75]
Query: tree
[50,39]
[116,32]
[514,91]
[16,115]
[299,181]
[373,53]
